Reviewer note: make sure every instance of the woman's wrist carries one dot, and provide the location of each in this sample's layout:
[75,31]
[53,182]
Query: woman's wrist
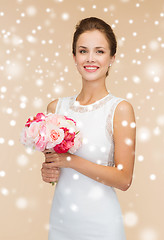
[72,161]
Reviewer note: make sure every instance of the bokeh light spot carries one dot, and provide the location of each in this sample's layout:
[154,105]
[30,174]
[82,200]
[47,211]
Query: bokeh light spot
[65,16]
[136,79]
[103,149]
[85,140]
[148,234]
[4,191]
[74,208]
[154,45]
[11,142]
[124,123]
[37,102]
[21,203]
[12,123]
[140,158]
[132,124]
[31,11]
[75,176]
[144,134]
[157,131]
[22,160]
[2,173]
[128,141]
[152,177]
[68,158]
[2,140]
[160,120]
[119,166]
[130,219]
[31,39]
[3,89]
[129,95]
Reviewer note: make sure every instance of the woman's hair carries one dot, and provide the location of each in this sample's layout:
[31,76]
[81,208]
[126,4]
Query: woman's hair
[93,23]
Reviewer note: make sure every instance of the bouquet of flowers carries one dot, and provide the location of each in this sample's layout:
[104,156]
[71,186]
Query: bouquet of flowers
[51,131]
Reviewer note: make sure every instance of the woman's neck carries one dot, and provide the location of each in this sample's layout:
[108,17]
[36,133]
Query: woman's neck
[88,95]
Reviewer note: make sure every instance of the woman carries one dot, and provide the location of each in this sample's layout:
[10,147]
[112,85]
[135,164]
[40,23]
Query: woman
[85,205]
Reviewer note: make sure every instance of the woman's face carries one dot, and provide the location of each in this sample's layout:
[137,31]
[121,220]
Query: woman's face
[93,55]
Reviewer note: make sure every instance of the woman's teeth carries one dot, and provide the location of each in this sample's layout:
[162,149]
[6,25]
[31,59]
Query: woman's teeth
[91,68]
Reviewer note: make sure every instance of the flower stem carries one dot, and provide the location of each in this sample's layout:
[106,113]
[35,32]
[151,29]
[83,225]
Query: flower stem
[53,183]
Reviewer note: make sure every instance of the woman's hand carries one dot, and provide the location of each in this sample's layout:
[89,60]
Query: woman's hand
[50,174]
[53,162]
[59,160]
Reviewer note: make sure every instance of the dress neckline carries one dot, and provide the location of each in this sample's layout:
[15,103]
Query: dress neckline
[76,107]
[76,103]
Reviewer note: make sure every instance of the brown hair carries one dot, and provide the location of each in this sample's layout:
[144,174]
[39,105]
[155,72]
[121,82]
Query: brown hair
[93,23]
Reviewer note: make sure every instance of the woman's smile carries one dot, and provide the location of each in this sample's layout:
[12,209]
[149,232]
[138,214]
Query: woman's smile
[93,55]
[91,68]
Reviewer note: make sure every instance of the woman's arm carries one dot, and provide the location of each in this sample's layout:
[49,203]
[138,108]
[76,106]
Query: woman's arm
[124,135]
[119,176]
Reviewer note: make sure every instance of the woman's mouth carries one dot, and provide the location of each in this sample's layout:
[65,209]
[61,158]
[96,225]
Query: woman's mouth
[90,68]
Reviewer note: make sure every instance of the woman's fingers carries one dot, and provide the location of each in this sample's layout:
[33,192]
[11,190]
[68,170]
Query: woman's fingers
[51,157]
[50,174]
[48,151]
[50,165]
[50,180]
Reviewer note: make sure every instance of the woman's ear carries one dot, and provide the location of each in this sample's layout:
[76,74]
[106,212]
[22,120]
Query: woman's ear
[113,59]
[74,57]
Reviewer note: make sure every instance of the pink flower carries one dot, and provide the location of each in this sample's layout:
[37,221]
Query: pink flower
[24,136]
[40,143]
[51,131]
[39,117]
[53,119]
[34,130]
[70,119]
[32,135]
[77,143]
[67,142]
[54,135]
[41,139]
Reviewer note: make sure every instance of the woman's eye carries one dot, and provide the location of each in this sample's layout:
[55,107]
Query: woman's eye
[100,51]
[82,51]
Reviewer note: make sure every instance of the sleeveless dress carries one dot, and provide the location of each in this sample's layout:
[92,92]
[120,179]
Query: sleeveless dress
[82,208]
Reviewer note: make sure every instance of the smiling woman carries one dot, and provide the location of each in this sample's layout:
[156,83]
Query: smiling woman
[85,204]
[92,24]
[93,55]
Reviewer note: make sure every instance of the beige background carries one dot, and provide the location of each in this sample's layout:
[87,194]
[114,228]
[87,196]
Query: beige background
[36,66]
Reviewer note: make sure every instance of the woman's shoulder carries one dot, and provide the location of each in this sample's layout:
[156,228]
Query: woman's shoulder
[51,107]
[121,106]
[122,103]
[124,111]
[116,98]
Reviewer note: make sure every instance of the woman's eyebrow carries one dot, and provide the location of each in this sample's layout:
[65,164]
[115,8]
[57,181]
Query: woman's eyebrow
[86,47]
[82,47]
[99,47]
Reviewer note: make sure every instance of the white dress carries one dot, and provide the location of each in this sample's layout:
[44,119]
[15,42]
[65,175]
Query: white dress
[82,208]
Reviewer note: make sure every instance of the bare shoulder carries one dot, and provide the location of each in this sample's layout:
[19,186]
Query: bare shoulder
[124,109]
[52,106]
[124,112]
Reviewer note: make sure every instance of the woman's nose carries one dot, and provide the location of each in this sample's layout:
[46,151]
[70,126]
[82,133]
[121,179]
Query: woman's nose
[90,57]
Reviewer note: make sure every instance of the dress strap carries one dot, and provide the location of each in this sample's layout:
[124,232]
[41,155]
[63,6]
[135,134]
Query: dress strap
[62,105]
